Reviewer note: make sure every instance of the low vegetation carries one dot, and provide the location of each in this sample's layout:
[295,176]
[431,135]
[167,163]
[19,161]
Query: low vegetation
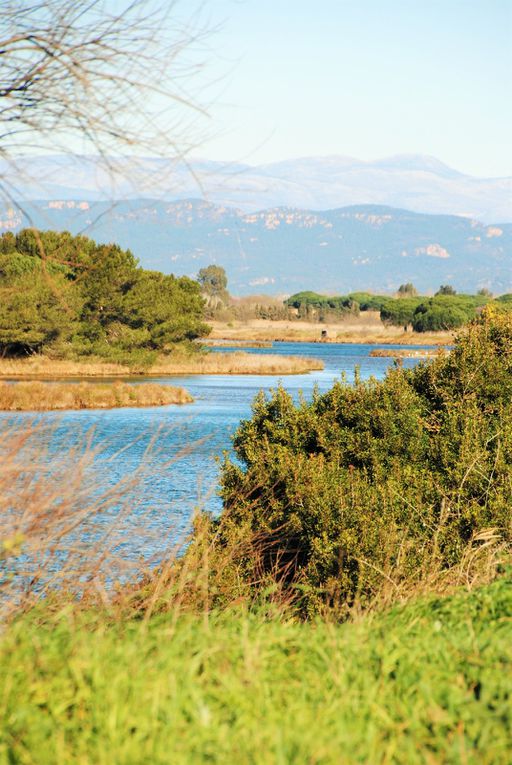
[352,600]
[445,311]
[365,328]
[39,396]
[225,363]
[406,353]
[429,682]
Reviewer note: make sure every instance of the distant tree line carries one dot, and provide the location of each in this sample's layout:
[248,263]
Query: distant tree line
[446,310]
[68,296]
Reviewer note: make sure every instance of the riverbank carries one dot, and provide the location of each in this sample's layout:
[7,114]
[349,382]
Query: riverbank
[220,343]
[32,396]
[235,363]
[425,682]
[407,353]
[366,328]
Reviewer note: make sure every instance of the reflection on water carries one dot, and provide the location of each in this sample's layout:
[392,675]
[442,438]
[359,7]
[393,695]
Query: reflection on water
[183,441]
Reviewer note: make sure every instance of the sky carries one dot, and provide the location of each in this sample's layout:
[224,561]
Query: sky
[362,78]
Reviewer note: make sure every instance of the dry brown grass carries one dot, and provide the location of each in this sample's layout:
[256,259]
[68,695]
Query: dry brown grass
[41,396]
[211,576]
[219,343]
[235,363]
[407,353]
[366,328]
[59,532]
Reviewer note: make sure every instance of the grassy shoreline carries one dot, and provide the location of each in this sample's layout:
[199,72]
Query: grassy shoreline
[32,396]
[428,682]
[235,363]
[366,329]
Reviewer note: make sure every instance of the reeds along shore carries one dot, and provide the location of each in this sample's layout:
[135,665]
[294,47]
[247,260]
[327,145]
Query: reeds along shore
[40,396]
[236,363]
[369,330]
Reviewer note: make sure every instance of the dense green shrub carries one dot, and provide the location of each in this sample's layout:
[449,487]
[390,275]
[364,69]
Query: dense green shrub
[391,476]
[433,317]
[70,296]
[447,311]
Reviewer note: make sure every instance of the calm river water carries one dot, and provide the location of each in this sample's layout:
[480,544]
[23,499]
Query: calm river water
[181,471]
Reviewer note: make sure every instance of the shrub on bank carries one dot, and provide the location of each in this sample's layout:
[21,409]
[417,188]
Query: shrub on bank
[379,479]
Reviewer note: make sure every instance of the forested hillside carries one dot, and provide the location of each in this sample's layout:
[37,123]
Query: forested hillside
[284,250]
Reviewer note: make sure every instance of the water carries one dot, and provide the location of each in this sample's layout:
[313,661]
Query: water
[184,442]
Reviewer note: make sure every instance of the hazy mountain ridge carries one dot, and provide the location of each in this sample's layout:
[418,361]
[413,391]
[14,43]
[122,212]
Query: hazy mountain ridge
[283,250]
[412,181]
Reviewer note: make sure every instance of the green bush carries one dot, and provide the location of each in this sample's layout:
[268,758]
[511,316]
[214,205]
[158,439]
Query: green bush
[369,302]
[390,476]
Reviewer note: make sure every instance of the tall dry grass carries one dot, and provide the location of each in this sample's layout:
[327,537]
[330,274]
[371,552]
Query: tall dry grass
[235,363]
[366,328]
[211,576]
[64,525]
[62,539]
[41,396]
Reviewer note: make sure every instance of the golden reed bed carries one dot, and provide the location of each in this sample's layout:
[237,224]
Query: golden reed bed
[408,353]
[236,363]
[34,396]
[366,328]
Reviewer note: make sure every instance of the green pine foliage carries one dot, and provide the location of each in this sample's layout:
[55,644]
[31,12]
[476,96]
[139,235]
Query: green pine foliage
[68,296]
[447,310]
[308,303]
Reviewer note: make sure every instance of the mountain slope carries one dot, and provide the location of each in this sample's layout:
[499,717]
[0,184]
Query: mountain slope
[414,182]
[284,250]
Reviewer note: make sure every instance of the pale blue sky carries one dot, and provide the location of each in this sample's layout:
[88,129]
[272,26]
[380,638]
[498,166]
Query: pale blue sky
[364,78]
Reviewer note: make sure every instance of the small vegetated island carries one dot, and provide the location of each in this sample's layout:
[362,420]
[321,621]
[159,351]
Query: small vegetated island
[71,307]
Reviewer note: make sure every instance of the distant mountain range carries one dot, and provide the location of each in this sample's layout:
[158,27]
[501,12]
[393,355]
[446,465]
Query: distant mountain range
[411,181]
[283,250]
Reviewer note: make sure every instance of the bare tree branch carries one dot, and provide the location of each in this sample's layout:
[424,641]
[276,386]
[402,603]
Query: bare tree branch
[109,78]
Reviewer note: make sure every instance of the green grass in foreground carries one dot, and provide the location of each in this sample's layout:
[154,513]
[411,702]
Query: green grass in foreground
[427,683]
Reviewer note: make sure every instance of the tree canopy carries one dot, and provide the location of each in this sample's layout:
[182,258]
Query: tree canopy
[69,295]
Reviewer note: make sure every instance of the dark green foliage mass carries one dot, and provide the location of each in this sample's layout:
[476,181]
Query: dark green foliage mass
[67,295]
[400,312]
[407,290]
[446,289]
[380,478]
[311,302]
[370,302]
[213,280]
[444,311]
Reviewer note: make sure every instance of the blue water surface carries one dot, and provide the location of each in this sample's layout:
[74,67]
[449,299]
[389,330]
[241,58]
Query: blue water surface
[178,447]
